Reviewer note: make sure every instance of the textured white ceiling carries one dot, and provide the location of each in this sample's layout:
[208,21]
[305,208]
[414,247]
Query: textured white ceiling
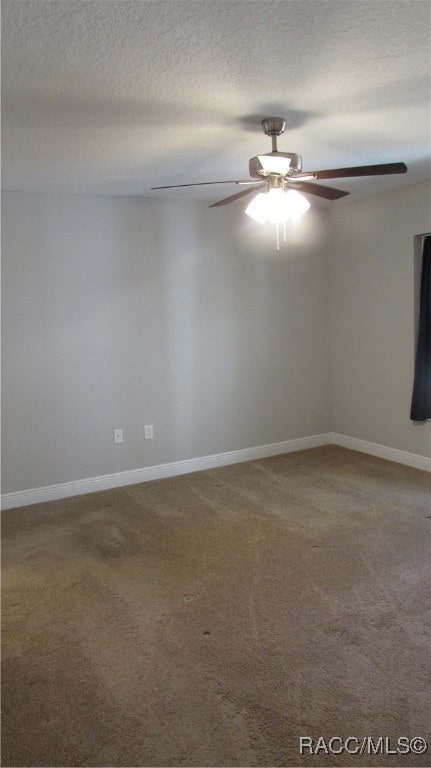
[116,96]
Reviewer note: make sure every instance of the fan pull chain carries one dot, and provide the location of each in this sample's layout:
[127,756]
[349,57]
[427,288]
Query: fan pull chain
[278,237]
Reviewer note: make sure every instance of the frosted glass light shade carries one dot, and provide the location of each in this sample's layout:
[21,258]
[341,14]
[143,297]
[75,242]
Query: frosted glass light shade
[277,211]
[257,209]
[277,206]
[297,203]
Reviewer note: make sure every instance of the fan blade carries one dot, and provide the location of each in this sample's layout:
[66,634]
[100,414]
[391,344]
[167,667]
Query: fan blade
[205,183]
[235,197]
[361,170]
[329,193]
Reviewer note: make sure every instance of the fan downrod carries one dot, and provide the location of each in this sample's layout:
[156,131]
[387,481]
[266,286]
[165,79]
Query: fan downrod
[273,126]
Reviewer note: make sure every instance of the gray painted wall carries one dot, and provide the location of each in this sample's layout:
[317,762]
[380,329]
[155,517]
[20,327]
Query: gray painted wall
[372,303]
[120,312]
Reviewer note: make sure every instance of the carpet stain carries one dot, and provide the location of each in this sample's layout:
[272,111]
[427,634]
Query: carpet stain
[104,539]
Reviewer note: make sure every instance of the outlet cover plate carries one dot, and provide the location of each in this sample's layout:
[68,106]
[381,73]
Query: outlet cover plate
[118,436]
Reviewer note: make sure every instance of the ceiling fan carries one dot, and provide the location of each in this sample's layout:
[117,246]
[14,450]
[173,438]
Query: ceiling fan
[283,171]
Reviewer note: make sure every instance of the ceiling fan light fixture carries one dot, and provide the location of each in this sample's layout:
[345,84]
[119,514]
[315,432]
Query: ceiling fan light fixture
[282,172]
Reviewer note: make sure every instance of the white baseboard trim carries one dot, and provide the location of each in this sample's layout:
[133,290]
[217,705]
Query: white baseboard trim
[382,451]
[130,477]
[133,476]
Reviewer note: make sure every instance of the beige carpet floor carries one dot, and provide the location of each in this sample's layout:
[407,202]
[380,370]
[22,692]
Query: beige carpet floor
[215,618]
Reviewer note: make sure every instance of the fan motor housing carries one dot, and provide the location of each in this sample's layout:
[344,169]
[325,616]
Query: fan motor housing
[256,169]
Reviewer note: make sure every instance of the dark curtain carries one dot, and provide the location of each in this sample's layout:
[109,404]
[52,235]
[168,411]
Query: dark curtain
[421,398]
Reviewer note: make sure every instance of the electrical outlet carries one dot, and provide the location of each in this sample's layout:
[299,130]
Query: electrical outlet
[148,431]
[118,436]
